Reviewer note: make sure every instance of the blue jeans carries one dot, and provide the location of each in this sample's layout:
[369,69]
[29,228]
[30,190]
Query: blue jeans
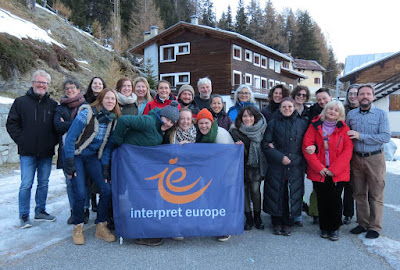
[70,193]
[29,166]
[89,166]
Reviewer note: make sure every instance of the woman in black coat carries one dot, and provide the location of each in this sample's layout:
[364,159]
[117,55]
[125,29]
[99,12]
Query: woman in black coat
[284,181]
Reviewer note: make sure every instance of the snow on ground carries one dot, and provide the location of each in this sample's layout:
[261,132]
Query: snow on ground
[384,247]
[16,242]
[394,166]
[5,100]
[21,28]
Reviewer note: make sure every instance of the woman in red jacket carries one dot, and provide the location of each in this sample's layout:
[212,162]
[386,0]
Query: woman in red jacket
[328,150]
[162,99]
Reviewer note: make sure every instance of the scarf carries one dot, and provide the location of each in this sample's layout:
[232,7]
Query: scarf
[104,116]
[188,135]
[255,133]
[124,100]
[211,136]
[73,103]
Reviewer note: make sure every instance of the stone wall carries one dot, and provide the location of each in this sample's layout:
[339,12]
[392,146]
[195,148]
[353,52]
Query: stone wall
[8,149]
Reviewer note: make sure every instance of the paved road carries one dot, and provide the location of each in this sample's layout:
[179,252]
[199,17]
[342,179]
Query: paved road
[253,250]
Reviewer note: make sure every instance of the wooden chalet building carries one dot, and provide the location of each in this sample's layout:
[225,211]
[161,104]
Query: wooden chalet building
[314,72]
[384,74]
[186,52]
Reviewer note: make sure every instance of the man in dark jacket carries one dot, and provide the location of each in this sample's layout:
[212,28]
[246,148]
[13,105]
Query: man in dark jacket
[30,125]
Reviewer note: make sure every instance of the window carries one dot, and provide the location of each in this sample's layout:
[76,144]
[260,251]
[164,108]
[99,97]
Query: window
[256,59]
[290,86]
[283,83]
[277,67]
[317,80]
[257,82]
[237,77]
[271,63]
[237,52]
[264,83]
[271,83]
[248,56]
[264,62]
[247,79]
[285,64]
[169,52]
[277,82]
[176,79]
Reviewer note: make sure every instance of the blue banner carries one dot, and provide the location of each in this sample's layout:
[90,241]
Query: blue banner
[178,190]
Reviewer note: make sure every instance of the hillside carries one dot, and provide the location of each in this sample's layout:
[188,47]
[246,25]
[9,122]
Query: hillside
[73,53]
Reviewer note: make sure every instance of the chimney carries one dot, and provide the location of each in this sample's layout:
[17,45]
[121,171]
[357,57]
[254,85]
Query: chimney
[146,35]
[194,19]
[153,30]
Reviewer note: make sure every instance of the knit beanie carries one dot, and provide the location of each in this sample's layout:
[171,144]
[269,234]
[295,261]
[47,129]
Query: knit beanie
[186,87]
[204,113]
[171,111]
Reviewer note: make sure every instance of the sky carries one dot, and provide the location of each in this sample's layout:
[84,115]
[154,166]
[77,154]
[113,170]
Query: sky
[351,27]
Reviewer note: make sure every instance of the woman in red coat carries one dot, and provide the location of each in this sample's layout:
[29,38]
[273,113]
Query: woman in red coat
[328,150]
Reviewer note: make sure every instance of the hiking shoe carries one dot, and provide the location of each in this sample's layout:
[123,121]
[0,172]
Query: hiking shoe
[324,234]
[276,229]
[77,235]
[334,235]
[286,230]
[25,222]
[151,242]
[357,230]
[371,234]
[347,220]
[44,216]
[86,216]
[223,238]
[103,233]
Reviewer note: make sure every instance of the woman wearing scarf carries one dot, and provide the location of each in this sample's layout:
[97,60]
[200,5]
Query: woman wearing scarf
[328,150]
[218,112]
[275,96]
[87,151]
[126,97]
[185,132]
[243,97]
[249,130]
[284,180]
[64,115]
[209,132]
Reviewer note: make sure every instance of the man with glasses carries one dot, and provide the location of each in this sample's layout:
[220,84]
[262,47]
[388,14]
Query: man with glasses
[30,125]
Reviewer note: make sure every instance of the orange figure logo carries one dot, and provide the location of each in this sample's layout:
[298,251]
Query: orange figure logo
[177,199]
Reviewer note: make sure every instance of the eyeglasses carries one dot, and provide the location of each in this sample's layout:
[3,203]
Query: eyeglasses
[41,83]
[244,93]
[301,95]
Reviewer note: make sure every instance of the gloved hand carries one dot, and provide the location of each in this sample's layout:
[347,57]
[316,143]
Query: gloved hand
[107,172]
[69,167]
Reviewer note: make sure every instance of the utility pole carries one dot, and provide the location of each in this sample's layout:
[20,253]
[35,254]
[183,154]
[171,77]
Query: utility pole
[117,26]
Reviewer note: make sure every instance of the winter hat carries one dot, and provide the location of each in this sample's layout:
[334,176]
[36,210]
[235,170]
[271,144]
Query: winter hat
[204,113]
[186,87]
[171,111]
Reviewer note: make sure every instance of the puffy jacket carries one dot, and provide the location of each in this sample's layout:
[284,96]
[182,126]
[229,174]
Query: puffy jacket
[340,152]
[234,110]
[286,135]
[222,119]
[30,124]
[157,103]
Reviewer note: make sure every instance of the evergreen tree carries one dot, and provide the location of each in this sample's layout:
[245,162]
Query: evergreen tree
[222,23]
[332,70]
[256,20]
[208,17]
[229,21]
[148,74]
[241,25]
[290,29]
[306,47]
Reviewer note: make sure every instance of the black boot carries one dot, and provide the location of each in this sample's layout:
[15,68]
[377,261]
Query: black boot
[94,202]
[258,221]
[249,221]
[71,219]
[86,216]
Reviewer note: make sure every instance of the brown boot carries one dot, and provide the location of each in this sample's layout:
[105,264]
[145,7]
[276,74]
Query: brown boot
[77,235]
[102,232]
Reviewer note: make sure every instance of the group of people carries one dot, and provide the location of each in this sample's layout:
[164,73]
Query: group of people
[282,142]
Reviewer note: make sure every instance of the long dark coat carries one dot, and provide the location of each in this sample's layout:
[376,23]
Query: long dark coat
[286,134]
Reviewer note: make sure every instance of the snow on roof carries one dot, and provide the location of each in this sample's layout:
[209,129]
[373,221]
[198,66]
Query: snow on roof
[307,64]
[356,62]
[6,100]
[21,28]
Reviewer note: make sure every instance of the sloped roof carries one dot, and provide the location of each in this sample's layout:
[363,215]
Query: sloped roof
[346,77]
[211,30]
[293,73]
[307,64]
[354,62]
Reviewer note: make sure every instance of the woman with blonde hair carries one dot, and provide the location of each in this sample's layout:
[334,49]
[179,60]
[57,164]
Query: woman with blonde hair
[142,90]
[328,150]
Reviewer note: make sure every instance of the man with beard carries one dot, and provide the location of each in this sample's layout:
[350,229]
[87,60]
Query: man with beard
[369,131]
[203,100]
[186,99]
